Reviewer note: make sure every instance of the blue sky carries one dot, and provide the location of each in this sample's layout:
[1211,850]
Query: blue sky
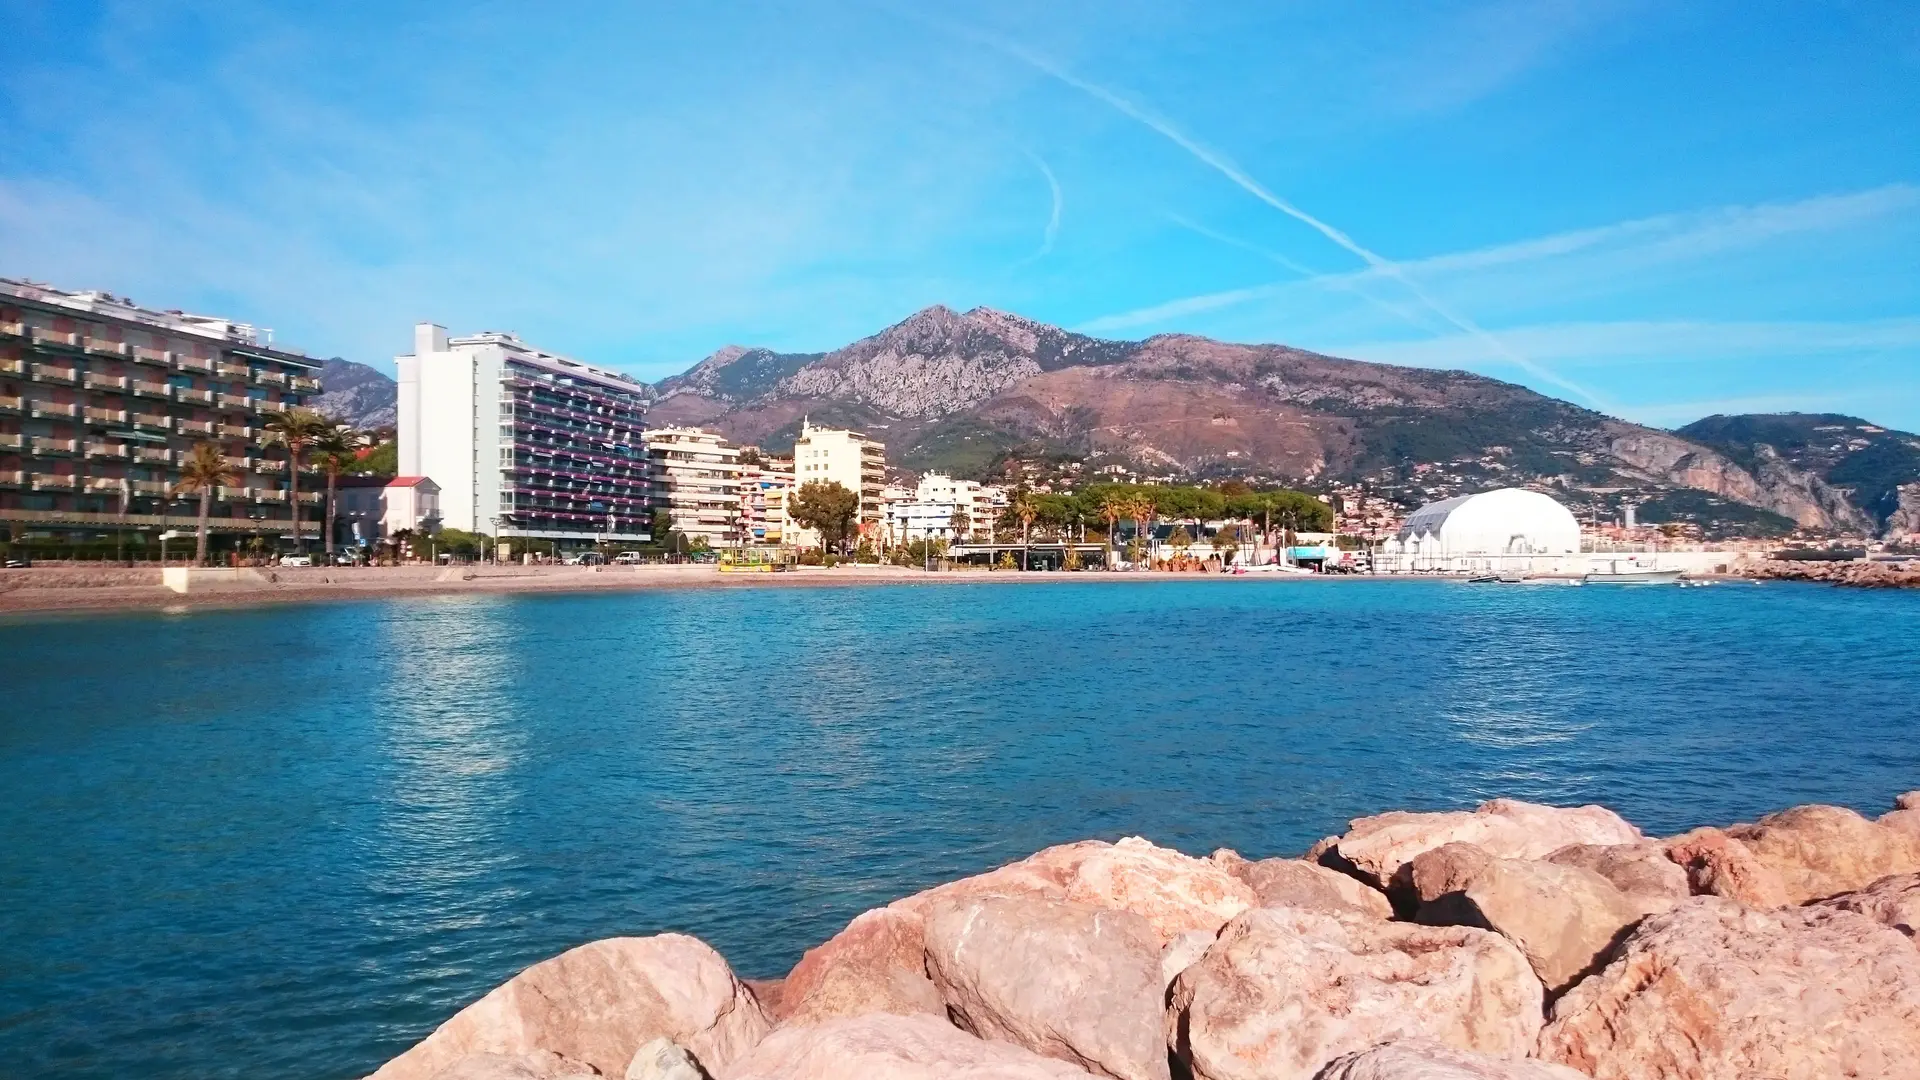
[1660,210]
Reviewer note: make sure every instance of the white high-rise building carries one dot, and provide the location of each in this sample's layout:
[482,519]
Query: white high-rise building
[524,443]
[847,458]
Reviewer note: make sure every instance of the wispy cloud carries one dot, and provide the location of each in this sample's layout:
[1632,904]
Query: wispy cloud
[1654,341]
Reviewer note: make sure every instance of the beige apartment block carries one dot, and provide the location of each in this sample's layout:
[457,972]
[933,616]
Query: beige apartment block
[698,474]
[848,458]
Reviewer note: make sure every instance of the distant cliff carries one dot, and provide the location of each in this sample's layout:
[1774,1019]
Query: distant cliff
[358,395]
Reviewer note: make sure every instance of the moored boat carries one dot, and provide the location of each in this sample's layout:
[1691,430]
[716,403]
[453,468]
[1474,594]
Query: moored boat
[1633,577]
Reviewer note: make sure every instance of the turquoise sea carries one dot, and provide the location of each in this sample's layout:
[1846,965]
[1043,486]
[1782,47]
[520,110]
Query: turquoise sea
[288,841]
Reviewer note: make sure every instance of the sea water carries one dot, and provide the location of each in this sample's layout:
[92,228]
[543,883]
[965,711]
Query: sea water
[289,841]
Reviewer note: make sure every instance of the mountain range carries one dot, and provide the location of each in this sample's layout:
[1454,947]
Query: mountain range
[965,391]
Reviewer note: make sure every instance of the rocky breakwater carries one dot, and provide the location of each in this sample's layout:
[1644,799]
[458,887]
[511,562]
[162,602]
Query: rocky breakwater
[1861,573]
[1511,942]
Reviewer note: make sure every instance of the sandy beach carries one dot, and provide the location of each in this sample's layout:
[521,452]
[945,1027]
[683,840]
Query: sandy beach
[68,588]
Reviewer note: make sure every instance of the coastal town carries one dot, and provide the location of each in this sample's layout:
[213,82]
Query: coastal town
[139,436]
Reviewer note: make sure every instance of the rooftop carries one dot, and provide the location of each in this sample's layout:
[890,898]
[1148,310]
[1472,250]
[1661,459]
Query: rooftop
[107,305]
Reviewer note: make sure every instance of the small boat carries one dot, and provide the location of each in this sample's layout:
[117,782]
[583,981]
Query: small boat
[1634,577]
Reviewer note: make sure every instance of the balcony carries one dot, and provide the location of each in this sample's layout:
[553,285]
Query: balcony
[10,404]
[192,363]
[66,447]
[15,478]
[266,495]
[311,497]
[46,337]
[150,389]
[104,485]
[150,356]
[47,373]
[44,482]
[110,383]
[101,449]
[107,348]
[232,371]
[192,396]
[12,367]
[236,401]
[153,454]
[235,431]
[106,416]
[302,384]
[13,329]
[149,487]
[11,442]
[233,494]
[193,427]
[149,420]
[47,410]
[271,378]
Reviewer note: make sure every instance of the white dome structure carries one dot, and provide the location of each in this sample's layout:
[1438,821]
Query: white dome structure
[1507,528]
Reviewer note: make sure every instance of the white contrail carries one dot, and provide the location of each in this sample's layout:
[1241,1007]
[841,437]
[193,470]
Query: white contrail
[1053,217]
[1226,167]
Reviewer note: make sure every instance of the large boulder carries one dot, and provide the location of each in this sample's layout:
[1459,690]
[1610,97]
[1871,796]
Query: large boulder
[880,1046]
[1064,980]
[538,1065]
[1714,989]
[1378,849]
[1651,881]
[1821,851]
[1424,1059]
[1564,918]
[1285,991]
[663,1059]
[1719,865]
[1892,901]
[596,1005]
[1298,883]
[875,965]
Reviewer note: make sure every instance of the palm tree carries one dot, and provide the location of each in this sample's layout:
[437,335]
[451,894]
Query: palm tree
[334,451]
[205,469]
[1026,507]
[1144,511]
[958,523]
[1113,507]
[295,429]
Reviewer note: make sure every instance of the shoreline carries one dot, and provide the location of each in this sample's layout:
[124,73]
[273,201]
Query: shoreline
[321,584]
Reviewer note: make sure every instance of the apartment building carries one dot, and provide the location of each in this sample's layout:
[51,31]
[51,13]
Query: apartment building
[938,508]
[101,401]
[774,478]
[847,458]
[697,477]
[525,444]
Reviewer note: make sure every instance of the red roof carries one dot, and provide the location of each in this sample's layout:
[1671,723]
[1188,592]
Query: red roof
[406,481]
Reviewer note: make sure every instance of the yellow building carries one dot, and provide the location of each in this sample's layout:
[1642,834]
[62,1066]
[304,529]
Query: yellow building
[847,458]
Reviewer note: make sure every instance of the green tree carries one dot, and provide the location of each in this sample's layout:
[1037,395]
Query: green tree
[960,523]
[296,429]
[1226,542]
[827,508]
[1181,539]
[205,470]
[1112,505]
[1024,507]
[382,460]
[334,451]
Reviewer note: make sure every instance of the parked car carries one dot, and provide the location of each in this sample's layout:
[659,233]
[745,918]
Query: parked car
[296,560]
[627,558]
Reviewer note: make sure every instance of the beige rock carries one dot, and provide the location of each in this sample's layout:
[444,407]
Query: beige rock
[1909,801]
[881,1046]
[1564,918]
[538,1065]
[1066,981]
[1650,880]
[1719,865]
[1174,892]
[1714,990]
[1892,901]
[596,1005]
[1424,1059]
[1181,953]
[1285,991]
[876,965]
[663,1059]
[1378,849]
[1903,821]
[1302,884]
[1821,851]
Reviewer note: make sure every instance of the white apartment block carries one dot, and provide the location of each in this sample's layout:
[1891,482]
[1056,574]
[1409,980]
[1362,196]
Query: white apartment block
[974,499]
[524,443]
[847,458]
[698,477]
